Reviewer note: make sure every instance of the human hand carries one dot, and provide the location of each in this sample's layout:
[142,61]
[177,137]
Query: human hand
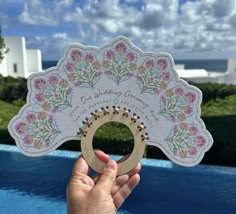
[103,193]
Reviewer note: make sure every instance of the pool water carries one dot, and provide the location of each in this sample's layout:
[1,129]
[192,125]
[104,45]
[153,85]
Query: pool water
[37,185]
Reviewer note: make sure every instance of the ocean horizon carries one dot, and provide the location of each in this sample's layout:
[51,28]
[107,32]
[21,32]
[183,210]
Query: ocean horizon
[215,65]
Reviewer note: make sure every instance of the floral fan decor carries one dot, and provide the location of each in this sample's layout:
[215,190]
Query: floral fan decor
[90,79]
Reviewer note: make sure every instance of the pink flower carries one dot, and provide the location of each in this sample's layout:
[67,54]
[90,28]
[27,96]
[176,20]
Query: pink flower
[54,110]
[42,115]
[173,119]
[38,144]
[149,64]
[69,90]
[175,151]
[188,109]
[179,92]
[105,64]
[138,77]
[151,78]
[184,126]
[162,64]
[76,55]
[21,128]
[98,73]
[169,93]
[163,99]
[46,106]
[190,97]
[71,76]
[31,118]
[130,74]
[63,83]
[175,129]
[107,72]
[130,56]
[157,91]
[51,117]
[89,58]
[97,65]
[132,66]
[70,66]
[121,48]
[200,141]
[40,97]
[192,151]
[183,154]
[28,139]
[141,69]
[85,73]
[40,84]
[110,55]
[119,67]
[77,84]
[53,80]
[47,143]
[166,76]
[163,85]
[193,130]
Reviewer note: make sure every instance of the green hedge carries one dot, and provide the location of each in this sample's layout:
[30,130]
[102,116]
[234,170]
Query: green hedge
[223,151]
[12,89]
[212,91]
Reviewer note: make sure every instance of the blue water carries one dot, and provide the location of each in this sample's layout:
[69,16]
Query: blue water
[37,185]
[210,65]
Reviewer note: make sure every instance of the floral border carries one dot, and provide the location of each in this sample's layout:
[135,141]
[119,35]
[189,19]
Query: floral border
[83,67]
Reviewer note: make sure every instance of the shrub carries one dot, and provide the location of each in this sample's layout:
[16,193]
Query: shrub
[212,91]
[12,89]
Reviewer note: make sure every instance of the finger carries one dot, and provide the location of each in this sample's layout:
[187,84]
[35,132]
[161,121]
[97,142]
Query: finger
[107,178]
[120,196]
[136,170]
[122,179]
[80,171]
[102,156]
[119,182]
[80,166]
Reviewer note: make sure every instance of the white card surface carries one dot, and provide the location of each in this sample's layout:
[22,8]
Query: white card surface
[89,78]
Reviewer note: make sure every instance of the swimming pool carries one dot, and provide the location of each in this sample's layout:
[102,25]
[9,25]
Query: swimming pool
[37,185]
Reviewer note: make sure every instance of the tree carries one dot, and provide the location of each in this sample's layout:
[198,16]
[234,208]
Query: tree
[3,49]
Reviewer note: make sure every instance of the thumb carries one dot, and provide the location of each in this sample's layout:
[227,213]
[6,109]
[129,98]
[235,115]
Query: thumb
[108,177]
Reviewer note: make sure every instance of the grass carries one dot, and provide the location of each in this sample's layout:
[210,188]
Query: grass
[7,111]
[220,107]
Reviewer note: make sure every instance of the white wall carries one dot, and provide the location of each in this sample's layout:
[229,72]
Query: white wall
[34,61]
[3,67]
[231,71]
[16,55]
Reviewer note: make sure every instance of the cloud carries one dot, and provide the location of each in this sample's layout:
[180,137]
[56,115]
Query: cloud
[189,28]
[37,12]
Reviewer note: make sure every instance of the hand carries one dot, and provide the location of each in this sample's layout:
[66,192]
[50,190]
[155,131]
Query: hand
[104,193]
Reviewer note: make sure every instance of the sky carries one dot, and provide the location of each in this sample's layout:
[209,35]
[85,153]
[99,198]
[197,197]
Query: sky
[186,29]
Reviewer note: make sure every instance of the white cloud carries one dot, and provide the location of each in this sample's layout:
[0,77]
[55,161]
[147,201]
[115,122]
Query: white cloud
[193,28]
[38,12]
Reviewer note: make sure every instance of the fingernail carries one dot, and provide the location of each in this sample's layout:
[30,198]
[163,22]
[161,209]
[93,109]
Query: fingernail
[111,165]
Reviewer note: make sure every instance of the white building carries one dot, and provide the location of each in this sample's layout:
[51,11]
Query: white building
[19,61]
[201,75]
